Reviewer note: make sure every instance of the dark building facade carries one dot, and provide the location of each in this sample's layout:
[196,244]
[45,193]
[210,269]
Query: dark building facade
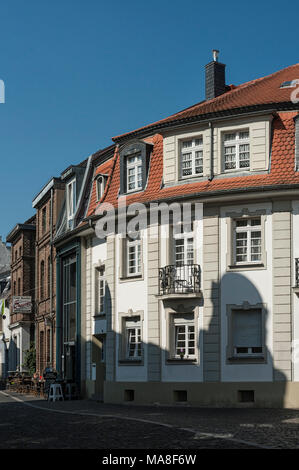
[22,305]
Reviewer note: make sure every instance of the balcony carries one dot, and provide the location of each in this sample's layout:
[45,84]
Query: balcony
[179,281]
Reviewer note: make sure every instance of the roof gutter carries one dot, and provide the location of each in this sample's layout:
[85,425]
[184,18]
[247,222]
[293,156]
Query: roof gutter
[225,195]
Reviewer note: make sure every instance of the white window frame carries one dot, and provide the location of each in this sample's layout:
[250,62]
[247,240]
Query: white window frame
[186,323]
[185,237]
[248,229]
[71,201]
[237,142]
[133,330]
[192,150]
[100,186]
[133,246]
[100,291]
[134,164]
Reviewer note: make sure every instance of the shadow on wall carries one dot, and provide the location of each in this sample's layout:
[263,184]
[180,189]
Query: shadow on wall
[235,348]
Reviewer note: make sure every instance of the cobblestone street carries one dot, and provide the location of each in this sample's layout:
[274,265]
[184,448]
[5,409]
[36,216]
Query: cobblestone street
[31,423]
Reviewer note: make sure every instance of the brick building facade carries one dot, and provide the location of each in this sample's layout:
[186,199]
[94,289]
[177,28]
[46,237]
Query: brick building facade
[22,239]
[47,204]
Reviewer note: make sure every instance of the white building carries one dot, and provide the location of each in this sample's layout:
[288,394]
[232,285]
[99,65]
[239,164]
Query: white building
[205,314]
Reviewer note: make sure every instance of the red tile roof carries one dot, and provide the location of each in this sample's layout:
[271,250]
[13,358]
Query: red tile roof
[262,91]
[282,171]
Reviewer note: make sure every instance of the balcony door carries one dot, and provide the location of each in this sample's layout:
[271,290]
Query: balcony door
[183,254]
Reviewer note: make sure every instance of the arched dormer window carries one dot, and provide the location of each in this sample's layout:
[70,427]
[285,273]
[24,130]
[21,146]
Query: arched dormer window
[101,181]
[134,165]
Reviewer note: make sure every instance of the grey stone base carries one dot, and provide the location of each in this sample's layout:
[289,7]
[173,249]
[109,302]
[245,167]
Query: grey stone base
[218,394]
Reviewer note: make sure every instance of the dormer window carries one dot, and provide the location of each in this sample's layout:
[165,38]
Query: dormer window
[101,181]
[192,157]
[236,150]
[71,202]
[134,172]
[134,165]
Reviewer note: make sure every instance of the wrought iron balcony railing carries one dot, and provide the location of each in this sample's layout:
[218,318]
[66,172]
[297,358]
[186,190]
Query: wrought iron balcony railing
[296,272]
[181,279]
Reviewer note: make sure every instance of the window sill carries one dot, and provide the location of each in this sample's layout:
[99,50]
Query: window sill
[245,266]
[185,179]
[128,193]
[128,362]
[136,277]
[247,359]
[176,360]
[99,316]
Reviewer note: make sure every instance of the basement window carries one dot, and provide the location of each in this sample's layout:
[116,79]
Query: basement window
[180,396]
[246,396]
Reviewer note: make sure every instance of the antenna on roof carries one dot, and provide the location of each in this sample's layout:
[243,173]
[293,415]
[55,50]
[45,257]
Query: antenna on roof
[215,55]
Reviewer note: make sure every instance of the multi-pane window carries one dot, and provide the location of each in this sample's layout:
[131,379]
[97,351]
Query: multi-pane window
[184,336]
[248,240]
[100,291]
[192,157]
[133,338]
[134,172]
[236,150]
[247,332]
[133,249]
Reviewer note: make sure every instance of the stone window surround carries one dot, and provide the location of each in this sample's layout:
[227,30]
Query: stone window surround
[230,358]
[230,256]
[123,273]
[98,268]
[177,308]
[122,317]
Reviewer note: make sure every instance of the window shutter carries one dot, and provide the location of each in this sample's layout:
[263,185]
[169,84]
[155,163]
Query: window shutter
[247,328]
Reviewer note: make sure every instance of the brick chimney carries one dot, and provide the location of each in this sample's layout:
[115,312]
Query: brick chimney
[215,77]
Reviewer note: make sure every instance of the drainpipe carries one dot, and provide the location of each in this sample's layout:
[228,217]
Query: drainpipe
[51,274]
[211,151]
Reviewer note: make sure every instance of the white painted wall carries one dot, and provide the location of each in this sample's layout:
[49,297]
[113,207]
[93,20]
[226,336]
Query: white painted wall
[131,295]
[295,297]
[252,286]
[4,339]
[98,255]
[173,372]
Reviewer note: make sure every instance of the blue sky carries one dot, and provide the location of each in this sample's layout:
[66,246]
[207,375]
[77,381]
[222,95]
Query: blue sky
[79,72]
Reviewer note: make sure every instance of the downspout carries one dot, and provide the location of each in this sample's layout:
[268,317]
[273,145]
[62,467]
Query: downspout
[211,151]
[51,276]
